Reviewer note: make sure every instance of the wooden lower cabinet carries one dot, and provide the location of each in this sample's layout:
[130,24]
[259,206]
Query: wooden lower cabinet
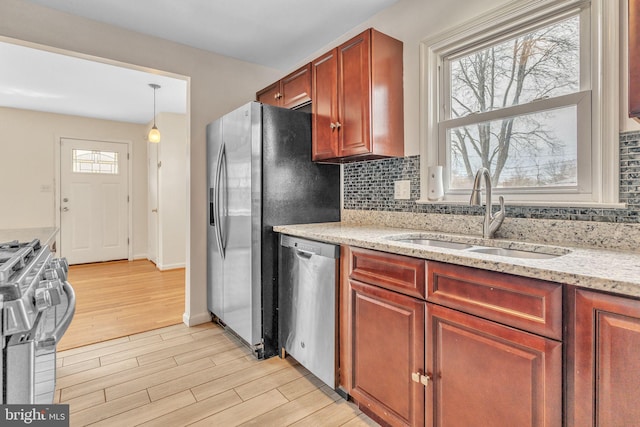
[387,332]
[603,360]
[487,374]
[488,353]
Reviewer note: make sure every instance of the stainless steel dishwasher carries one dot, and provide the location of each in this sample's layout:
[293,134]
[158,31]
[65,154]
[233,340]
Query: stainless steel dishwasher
[307,304]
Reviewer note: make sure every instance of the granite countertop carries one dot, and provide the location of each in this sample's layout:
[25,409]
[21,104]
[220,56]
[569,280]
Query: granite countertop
[600,269]
[46,235]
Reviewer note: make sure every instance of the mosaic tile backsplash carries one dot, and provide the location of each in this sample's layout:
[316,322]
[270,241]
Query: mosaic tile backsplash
[370,186]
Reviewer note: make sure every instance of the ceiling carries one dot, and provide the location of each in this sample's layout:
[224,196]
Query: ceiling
[274,33]
[62,84]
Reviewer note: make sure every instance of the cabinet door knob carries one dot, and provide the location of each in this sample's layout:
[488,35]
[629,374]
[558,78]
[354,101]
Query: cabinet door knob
[417,377]
[338,125]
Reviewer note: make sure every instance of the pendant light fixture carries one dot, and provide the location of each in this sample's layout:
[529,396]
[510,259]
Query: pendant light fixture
[154,133]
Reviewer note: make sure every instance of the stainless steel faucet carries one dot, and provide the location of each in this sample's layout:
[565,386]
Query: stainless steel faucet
[491,222]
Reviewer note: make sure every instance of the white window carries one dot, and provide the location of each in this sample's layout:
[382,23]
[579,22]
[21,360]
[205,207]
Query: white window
[94,161]
[519,91]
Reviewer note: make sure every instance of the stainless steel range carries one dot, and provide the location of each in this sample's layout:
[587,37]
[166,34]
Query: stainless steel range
[37,305]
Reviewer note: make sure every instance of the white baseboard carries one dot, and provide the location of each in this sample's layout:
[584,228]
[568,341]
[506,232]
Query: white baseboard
[196,319]
[171,266]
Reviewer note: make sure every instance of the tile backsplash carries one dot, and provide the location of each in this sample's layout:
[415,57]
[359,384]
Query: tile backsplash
[370,186]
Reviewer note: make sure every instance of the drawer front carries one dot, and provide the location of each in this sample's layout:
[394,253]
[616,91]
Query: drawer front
[395,272]
[528,304]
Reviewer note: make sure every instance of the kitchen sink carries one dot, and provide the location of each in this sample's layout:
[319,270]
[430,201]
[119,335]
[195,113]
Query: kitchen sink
[470,244]
[436,243]
[513,253]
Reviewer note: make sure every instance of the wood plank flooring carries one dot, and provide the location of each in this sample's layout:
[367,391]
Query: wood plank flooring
[198,376]
[121,298]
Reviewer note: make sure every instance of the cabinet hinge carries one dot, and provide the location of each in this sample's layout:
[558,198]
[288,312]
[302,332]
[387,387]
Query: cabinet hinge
[417,377]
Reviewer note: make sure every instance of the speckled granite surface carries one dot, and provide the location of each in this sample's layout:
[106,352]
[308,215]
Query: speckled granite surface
[597,267]
[591,234]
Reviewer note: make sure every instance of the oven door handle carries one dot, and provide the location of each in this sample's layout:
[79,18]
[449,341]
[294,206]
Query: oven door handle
[50,341]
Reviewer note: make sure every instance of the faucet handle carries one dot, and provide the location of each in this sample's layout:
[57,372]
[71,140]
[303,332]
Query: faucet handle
[497,218]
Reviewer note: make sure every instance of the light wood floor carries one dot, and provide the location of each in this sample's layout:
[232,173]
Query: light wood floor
[120,298]
[198,376]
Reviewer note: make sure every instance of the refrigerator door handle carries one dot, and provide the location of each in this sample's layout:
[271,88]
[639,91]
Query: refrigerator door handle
[216,200]
[212,221]
[222,182]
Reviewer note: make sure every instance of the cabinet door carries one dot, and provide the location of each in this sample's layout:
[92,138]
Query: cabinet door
[324,107]
[387,347]
[354,96]
[603,384]
[634,58]
[270,95]
[487,374]
[296,87]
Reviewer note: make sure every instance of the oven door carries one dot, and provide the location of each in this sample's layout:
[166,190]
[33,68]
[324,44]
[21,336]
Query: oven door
[30,359]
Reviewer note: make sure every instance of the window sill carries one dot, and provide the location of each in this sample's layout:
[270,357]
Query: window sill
[530,204]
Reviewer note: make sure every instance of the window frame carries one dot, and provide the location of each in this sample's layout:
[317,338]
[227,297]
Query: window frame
[596,101]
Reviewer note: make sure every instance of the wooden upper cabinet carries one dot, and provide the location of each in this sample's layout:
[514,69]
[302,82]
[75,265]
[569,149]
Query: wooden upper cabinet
[357,93]
[603,372]
[296,87]
[270,95]
[634,58]
[324,87]
[292,91]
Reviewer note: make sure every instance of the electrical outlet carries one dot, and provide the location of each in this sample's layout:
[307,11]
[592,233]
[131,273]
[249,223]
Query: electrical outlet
[402,190]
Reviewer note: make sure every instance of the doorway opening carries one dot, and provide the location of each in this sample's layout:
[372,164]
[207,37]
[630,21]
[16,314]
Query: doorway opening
[106,162]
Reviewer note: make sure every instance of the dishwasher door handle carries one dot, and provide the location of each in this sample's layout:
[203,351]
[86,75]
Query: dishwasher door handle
[304,254]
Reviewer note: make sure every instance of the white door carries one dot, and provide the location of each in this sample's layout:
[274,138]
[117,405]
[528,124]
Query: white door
[152,202]
[94,220]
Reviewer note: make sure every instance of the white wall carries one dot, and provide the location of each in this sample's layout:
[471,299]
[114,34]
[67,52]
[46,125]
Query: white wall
[27,166]
[172,194]
[217,85]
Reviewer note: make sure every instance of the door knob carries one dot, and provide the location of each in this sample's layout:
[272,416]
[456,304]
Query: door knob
[154,210]
[65,200]
[65,209]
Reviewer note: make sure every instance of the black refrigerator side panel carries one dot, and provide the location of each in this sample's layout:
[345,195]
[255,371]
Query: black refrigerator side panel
[294,191]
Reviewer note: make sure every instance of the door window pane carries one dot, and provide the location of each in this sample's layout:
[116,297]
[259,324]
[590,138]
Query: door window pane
[93,161]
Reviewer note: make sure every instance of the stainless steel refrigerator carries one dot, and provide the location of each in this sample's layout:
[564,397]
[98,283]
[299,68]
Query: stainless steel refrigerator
[259,174]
